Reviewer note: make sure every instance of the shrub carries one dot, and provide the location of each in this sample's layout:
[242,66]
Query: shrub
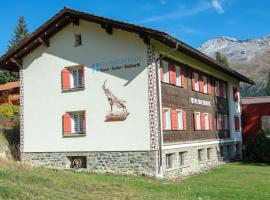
[259,147]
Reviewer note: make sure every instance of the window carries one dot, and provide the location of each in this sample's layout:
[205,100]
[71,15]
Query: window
[217,88]
[165,72]
[197,121]
[222,149]
[266,123]
[196,79]
[209,153]
[74,123]
[207,124]
[182,158]
[166,119]
[205,85]
[224,90]
[180,120]
[78,40]
[200,154]
[73,78]
[178,76]
[222,122]
[236,123]
[226,122]
[235,94]
[169,160]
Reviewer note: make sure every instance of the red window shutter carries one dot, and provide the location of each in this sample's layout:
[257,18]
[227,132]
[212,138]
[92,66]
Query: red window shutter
[184,120]
[182,76]
[221,89]
[216,88]
[67,124]
[208,86]
[161,70]
[201,83]
[193,80]
[195,121]
[235,94]
[236,123]
[83,77]
[172,73]
[202,121]
[163,119]
[210,122]
[223,122]
[174,120]
[65,79]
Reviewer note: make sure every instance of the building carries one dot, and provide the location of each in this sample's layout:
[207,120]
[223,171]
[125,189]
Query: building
[114,97]
[10,93]
[256,116]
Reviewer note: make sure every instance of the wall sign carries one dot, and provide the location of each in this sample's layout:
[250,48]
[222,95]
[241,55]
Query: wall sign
[120,63]
[200,102]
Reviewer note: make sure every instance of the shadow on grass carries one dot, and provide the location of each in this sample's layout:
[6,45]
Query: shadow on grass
[255,164]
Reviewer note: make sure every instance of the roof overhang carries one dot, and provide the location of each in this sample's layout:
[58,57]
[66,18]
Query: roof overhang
[12,60]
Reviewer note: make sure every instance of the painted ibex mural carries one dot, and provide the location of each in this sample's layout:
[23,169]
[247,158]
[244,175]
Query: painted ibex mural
[114,102]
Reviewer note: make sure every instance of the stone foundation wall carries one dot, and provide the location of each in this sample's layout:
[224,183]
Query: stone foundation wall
[192,164]
[138,163]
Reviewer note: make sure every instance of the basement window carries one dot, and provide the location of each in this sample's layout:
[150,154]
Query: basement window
[77,162]
[78,40]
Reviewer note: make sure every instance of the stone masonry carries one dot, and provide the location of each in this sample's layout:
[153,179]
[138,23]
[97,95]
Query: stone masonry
[133,162]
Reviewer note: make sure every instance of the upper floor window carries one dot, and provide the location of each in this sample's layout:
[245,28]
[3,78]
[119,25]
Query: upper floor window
[74,123]
[220,89]
[195,81]
[235,94]
[222,122]
[217,88]
[171,73]
[73,78]
[202,121]
[166,119]
[205,85]
[201,83]
[236,123]
[224,90]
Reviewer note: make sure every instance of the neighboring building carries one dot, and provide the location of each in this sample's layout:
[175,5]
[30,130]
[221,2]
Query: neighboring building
[10,93]
[92,96]
[256,116]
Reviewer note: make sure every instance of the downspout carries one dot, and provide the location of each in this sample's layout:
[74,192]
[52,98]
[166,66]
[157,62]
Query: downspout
[160,131]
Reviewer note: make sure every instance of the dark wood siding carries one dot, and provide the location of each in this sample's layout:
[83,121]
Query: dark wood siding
[175,97]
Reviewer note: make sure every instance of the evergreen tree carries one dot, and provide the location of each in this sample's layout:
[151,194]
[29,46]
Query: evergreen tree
[20,32]
[7,76]
[222,59]
[268,85]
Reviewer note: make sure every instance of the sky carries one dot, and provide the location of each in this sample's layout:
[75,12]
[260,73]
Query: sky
[191,21]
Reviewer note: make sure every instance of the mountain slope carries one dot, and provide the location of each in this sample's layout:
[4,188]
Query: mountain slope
[249,57]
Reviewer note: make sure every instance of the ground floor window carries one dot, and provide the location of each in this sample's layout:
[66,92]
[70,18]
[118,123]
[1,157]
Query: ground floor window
[169,160]
[200,154]
[182,156]
[209,153]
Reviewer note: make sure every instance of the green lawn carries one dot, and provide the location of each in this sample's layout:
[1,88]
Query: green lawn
[231,181]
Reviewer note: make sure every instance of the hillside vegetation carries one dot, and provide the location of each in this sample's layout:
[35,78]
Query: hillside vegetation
[231,181]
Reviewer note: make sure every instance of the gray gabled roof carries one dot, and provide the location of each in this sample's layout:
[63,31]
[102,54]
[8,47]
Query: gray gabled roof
[11,60]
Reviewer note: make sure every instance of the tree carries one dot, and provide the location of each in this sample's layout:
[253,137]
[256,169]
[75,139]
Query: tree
[268,85]
[7,76]
[222,59]
[20,32]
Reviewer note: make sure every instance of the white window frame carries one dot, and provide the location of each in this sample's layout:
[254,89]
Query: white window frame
[78,81]
[180,119]
[167,119]
[206,120]
[198,120]
[217,88]
[79,116]
[166,78]
[205,87]
[196,82]
[178,75]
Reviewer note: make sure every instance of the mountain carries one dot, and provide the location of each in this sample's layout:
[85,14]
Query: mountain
[250,57]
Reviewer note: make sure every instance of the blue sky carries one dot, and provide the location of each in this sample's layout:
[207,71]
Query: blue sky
[192,21]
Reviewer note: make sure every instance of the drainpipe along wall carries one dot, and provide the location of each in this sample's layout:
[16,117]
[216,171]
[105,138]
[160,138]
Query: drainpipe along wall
[159,105]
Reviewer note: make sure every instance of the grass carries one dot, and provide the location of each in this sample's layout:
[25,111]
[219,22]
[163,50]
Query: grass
[231,181]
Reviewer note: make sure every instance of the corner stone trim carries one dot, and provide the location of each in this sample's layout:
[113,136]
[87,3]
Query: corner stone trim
[152,96]
[21,111]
